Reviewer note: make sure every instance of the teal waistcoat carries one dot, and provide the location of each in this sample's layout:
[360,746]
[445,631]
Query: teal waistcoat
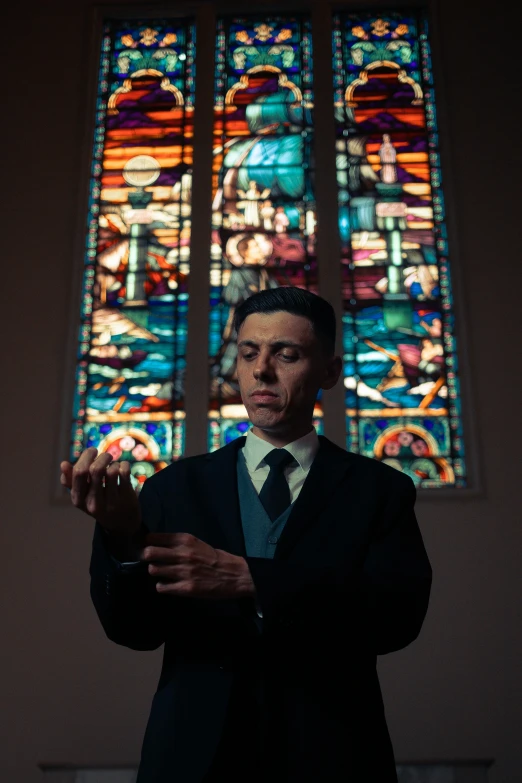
[260,533]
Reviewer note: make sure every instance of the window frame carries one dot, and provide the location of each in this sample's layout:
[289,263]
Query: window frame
[328,241]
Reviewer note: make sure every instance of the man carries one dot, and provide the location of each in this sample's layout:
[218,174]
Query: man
[275,571]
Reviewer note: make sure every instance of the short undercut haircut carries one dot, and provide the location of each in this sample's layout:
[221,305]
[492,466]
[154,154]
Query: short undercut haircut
[297,301]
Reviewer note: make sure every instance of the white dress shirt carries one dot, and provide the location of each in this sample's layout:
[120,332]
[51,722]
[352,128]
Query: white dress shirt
[303,450]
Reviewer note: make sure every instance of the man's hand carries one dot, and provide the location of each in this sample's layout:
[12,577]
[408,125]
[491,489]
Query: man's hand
[186,566]
[102,489]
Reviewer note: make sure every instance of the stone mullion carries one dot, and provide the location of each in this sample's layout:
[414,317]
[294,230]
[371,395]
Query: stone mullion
[197,374]
[328,240]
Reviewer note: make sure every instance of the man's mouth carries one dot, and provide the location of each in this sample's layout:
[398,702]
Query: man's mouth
[263,396]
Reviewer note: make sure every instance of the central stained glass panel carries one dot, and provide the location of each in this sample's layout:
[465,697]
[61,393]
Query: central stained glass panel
[263,211]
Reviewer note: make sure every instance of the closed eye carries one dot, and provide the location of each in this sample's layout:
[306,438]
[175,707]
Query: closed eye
[287,357]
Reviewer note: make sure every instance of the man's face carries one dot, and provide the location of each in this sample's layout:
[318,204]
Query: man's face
[281,365]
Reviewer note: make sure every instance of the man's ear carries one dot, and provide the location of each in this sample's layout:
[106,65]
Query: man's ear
[333,371]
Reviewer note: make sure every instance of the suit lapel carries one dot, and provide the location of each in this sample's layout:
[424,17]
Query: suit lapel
[221,495]
[329,468]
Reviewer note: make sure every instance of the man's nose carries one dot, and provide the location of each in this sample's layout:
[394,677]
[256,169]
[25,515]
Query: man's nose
[263,367]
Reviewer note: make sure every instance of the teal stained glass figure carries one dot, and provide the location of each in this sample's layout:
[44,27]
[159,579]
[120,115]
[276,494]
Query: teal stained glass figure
[264,213]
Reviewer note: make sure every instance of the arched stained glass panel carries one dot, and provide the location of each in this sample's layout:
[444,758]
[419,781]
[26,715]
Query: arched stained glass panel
[264,213]
[131,352]
[400,363]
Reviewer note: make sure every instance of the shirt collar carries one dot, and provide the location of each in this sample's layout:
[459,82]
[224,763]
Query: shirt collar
[303,450]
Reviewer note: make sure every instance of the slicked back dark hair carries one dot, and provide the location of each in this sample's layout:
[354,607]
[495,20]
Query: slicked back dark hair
[297,301]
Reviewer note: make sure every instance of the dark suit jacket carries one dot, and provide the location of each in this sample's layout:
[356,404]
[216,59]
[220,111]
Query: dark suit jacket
[350,580]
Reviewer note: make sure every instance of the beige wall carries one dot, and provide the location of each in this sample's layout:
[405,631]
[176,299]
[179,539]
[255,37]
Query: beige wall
[67,694]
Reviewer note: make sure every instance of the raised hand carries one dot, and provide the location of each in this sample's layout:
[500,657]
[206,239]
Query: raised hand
[103,490]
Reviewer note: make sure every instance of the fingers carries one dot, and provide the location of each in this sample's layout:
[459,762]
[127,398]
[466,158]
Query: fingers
[173,548]
[176,580]
[176,548]
[172,573]
[161,554]
[111,487]
[127,492]
[94,501]
[125,471]
[81,477]
[122,508]
[102,488]
[66,474]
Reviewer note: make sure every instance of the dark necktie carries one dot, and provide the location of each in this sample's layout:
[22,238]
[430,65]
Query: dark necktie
[275,493]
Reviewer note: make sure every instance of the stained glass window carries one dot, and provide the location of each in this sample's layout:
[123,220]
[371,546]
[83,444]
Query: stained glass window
[400,366]
[402,400]
[131,353]
[263,212]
